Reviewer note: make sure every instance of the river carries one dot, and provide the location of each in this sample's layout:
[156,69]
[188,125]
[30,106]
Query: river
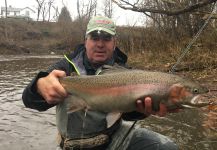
[26,129]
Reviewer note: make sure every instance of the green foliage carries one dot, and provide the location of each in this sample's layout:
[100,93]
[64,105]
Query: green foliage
[64,15]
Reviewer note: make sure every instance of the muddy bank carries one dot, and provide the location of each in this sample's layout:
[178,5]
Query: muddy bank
[14,48]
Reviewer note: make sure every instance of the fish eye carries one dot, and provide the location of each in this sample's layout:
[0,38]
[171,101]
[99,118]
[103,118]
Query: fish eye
[195,90]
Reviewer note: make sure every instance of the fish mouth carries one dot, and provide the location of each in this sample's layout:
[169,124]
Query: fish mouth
[196,102]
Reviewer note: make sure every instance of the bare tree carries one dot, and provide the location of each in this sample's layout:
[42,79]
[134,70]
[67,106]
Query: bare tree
[44,11]
[39,8]
[56,12]
[171,15]
[108,10]
[50,3]
[81,16]
[85,11]
[5,23]
[6,9]
[147,6]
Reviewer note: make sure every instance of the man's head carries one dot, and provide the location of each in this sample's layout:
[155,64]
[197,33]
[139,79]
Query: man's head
[100,39]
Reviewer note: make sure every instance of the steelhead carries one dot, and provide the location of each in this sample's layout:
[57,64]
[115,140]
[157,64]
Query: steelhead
[117,89]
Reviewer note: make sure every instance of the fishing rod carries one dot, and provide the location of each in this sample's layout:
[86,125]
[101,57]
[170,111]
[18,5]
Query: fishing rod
[126,135]
[186,50]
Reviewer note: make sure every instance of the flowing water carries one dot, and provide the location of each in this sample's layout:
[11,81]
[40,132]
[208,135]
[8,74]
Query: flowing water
[22,128]
[26,129]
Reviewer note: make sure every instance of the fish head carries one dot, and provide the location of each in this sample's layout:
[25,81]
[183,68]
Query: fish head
[195,88]
[195,97]
[187,95]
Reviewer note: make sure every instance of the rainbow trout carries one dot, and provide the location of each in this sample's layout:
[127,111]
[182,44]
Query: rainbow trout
[117,89]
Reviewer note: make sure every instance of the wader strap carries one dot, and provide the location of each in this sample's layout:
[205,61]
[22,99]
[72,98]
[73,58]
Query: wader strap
[98,142]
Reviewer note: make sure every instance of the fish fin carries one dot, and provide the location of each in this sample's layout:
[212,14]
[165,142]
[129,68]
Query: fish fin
[111,69]
[112,117]
[75,103]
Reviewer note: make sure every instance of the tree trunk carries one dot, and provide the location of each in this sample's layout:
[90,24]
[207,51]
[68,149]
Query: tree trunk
[6,9]
[5,22]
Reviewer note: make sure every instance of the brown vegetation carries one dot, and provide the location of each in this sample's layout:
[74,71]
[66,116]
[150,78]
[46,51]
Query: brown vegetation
[37,37]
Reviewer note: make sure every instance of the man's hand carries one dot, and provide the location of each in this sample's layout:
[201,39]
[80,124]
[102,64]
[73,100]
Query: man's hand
[145,107]
[50,88]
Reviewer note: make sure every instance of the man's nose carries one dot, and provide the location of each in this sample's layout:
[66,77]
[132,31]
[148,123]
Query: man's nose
[100,43]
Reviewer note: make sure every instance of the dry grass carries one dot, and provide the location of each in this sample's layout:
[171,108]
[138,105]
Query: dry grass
[200,64]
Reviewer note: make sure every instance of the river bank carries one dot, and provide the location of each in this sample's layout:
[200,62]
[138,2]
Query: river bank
[20,48]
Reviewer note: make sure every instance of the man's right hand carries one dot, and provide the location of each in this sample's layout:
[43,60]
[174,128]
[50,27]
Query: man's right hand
[50,88]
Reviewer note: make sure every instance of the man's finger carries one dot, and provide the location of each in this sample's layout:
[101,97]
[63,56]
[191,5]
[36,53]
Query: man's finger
[139,104]
[58,73]
[148,105]
[55,100]
[61,91]
[163,110]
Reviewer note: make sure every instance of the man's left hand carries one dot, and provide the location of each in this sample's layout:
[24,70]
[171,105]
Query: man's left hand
[145,106]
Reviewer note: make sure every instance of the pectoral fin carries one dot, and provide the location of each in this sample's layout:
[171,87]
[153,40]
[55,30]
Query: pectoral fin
[112,117]
[107,69]
[75,103]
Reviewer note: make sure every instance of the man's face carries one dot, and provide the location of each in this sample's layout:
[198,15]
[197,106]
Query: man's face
[99,47]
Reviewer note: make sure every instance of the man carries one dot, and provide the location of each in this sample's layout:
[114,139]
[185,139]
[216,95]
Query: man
[93,131]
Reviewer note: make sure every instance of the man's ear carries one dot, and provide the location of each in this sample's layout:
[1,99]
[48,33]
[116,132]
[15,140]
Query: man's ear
[85,42]
[85,39]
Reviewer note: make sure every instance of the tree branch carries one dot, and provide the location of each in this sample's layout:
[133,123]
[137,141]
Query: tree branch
[162,11]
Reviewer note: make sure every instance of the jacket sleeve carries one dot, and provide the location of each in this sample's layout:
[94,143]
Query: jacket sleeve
[31,98]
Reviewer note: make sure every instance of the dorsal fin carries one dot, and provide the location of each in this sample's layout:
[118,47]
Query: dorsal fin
[106,69]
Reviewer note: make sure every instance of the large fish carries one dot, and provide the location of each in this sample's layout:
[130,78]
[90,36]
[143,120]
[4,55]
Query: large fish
[117,89]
